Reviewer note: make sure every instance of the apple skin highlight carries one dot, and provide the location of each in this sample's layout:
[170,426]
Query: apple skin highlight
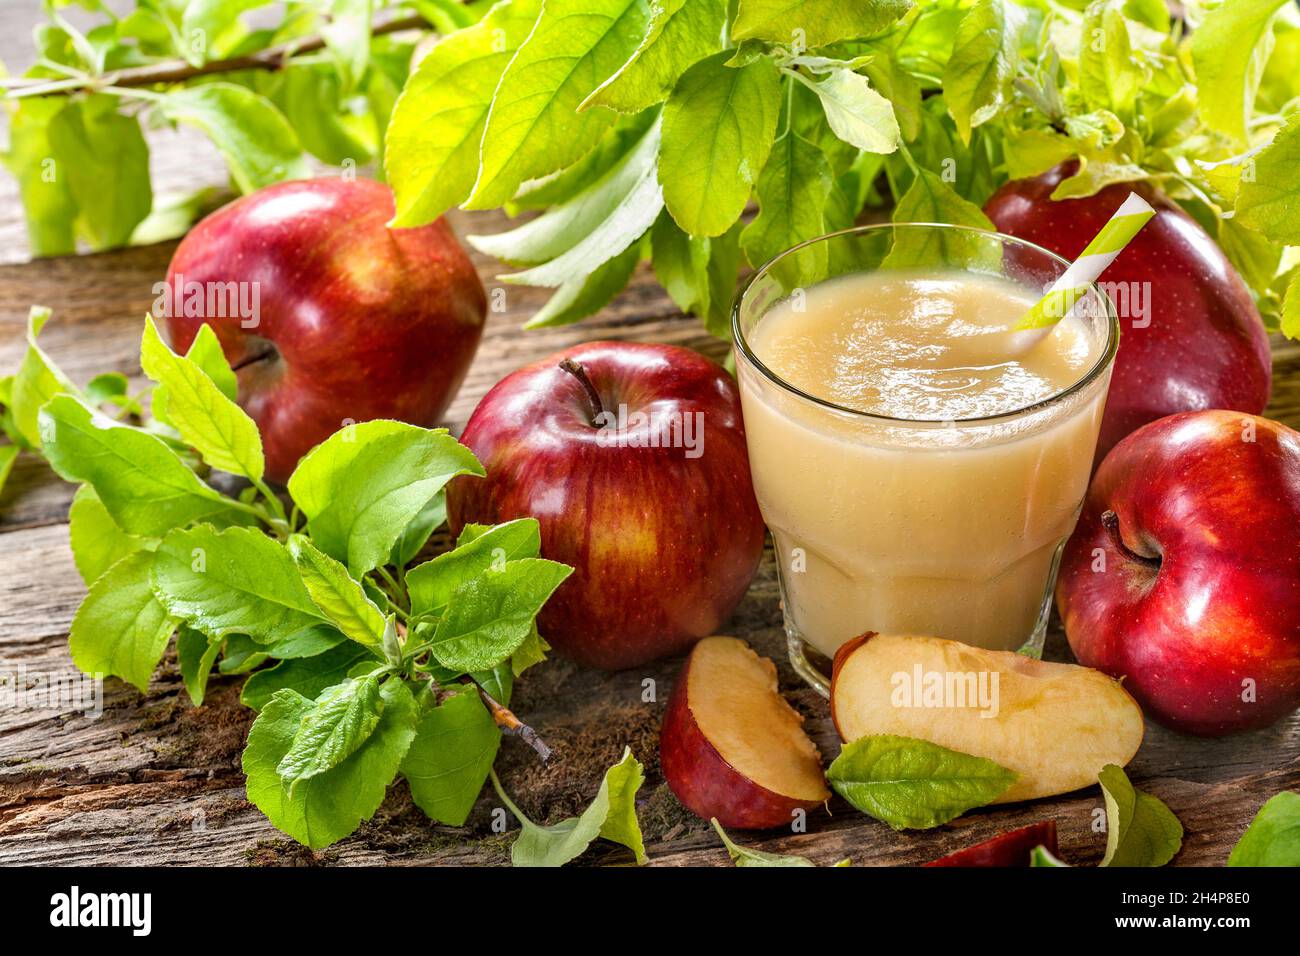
[1199,596]
[355,321]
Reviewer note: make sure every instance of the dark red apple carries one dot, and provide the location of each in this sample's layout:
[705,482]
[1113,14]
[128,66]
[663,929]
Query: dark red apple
[1013,848]
[1183,575]
[730,746]
[1205,346]
[328,315]
[663,533]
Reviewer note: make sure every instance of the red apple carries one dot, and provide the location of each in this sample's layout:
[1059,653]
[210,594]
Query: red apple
[352,320]
[663,540]
[1012,848]
[731,747]
[1205,346]
[1183,575]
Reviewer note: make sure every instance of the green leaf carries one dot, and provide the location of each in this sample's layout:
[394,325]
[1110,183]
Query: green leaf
[421,528]
[856,113]
[914,784]
[1290,323]
[1269,200]
[1273,837]
[930,199]
[534,127]
[1110,76]
[339,596]
[681,32]
[743,856]
[698,273]
[347,37]
[1095,175]
[325,808]
[1041,856]
[491,615]
[204,352]
[717,131]
[314,639]
[233,581]
[1229,51]
[530,653]
[366,483]
[305,675]
[47,198]
[37,381]
[256,141]
[143,484]
[814,23]
[455,745]
[104,156]
[433,583]
[97,542]
[1140,830]
[218,429]
[111,388]
[210,19]
[120,628]
[1030,152]
[589,230]
[977,80]
[8,455]
[437,124]
[581,297]
[792,195]
[196,654]
[612,815]
[339,722]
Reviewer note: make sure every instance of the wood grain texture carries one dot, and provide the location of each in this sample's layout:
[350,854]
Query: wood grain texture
[139,779]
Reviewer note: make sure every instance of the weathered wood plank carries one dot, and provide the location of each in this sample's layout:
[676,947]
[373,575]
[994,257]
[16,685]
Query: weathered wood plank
[148,779]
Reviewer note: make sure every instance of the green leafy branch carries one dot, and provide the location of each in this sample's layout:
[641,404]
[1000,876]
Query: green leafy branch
[647,130]
[321,82]
[364,662]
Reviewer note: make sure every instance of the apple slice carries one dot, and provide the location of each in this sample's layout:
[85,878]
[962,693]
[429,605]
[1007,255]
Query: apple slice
[1056,725]
[1012,848]
[731,747]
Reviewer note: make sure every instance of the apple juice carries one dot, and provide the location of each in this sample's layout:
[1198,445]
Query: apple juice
[918,466]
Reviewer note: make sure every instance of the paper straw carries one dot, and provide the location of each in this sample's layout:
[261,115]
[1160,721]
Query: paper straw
[1130,217]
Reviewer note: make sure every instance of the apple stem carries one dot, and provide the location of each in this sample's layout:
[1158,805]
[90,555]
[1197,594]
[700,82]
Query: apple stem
[1110,521]
[510,724]
[577,371]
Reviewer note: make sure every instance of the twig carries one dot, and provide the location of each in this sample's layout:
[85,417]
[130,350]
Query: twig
[178,71]
[510,724]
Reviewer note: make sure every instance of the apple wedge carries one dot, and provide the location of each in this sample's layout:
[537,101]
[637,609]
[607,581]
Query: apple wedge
[1055,725]
[731,747]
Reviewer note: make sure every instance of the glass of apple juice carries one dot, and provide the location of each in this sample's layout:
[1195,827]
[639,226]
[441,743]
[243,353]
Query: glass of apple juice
[919,462]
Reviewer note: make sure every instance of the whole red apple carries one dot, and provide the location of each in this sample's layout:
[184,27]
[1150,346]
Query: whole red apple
[632,457]
[1183,575]
[327,315]
[1204,346]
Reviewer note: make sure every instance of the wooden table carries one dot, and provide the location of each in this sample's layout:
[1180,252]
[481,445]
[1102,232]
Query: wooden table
[154,780]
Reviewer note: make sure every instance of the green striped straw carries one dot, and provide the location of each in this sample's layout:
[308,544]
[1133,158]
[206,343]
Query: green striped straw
[1130,217]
